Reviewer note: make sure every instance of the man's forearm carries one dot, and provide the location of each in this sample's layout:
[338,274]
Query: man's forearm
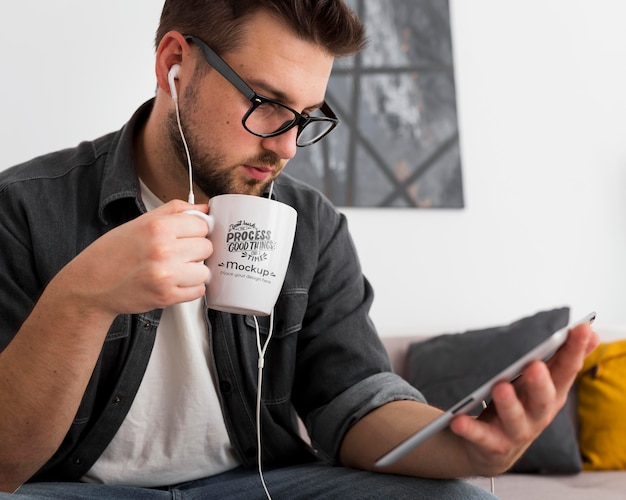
[43,375]
[442,456]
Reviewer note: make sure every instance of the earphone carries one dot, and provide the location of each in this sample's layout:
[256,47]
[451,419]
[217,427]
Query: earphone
[171,76]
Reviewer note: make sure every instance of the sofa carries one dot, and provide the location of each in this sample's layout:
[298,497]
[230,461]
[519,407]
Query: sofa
[586,484]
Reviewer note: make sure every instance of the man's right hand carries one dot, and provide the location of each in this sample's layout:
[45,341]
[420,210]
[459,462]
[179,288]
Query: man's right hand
[154,261]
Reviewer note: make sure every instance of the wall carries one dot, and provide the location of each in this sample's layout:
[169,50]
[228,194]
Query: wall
[542,99]
[542,103]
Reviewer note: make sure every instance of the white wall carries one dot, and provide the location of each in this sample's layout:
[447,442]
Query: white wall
[72,70]
[542,106]
[541,90]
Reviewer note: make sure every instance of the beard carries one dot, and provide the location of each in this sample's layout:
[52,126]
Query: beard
[209,171]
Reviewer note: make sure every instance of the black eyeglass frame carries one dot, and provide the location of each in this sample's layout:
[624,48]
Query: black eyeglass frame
[300,120]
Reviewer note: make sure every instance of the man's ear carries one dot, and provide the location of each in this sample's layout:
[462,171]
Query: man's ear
[172,51]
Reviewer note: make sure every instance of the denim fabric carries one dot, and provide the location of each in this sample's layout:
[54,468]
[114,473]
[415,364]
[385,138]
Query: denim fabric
[324,362]
[304,482]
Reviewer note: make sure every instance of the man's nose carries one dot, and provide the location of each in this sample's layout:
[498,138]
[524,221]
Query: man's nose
[284,145]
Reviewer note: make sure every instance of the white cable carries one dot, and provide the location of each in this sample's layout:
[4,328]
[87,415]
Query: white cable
[261,364]
[492,479]
[191,197]
[269,197]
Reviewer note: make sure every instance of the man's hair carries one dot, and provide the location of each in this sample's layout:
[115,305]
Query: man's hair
[222,23]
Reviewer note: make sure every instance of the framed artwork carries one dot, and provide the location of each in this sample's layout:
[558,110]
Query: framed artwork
[398,142]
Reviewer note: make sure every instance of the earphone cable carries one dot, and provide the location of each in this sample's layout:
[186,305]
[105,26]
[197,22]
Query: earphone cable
[492,480]
[261,364]
[191,197]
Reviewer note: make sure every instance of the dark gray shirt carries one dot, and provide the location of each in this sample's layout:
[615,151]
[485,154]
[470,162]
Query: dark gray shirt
[324,363]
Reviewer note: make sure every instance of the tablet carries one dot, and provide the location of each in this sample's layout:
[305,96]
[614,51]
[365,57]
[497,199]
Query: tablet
[542,351]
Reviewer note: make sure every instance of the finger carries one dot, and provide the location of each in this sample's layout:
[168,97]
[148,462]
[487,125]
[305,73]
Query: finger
[537,391]
[486,435]
[178,206]
[568,360]
[187,294]
[193,274]
[195,249]
[515,418]
[191,226]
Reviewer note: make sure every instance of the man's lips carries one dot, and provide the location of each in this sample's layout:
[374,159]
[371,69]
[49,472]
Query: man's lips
[259,173]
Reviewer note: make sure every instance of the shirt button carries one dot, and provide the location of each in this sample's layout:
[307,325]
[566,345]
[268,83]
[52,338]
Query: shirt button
[147,325]
[226,387]
[77,461]
[117,400]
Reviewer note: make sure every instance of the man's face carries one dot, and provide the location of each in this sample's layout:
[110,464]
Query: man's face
[225,157]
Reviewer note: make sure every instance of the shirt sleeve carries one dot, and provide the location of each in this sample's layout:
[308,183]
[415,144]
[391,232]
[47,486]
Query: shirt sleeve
[20,283]
[343,369]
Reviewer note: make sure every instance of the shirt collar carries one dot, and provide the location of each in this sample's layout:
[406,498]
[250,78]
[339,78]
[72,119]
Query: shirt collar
[120,195]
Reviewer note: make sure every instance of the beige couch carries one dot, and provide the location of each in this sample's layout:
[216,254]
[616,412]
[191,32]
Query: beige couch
[603,485]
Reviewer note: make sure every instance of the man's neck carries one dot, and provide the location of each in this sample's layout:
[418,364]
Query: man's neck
[157,166]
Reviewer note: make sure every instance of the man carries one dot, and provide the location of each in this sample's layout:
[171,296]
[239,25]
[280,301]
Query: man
[112,370]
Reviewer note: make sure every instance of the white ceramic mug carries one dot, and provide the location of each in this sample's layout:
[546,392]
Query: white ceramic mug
[252,239]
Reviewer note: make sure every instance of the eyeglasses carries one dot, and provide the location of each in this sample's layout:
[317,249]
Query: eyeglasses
[267,117]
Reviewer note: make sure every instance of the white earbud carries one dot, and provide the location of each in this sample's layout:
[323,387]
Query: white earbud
[171,76]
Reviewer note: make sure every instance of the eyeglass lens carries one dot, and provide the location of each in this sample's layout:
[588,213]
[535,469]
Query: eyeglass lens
[273,118]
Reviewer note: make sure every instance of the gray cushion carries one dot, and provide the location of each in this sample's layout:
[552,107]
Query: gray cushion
[447,367]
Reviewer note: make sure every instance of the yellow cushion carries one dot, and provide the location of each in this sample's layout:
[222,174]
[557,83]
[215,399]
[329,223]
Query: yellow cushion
[602,407]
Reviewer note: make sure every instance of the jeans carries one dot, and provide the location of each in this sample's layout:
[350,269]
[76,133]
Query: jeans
[297,482]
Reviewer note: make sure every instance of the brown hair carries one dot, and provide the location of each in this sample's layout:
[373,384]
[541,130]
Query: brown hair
[221,23]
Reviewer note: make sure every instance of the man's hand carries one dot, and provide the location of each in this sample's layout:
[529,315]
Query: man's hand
[521,411]
[154,261]
[486,446]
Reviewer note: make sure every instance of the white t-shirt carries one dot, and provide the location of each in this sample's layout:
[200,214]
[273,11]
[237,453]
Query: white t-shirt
[174,431]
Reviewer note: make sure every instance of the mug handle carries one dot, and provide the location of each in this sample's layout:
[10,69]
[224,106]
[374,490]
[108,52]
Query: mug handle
[209,219]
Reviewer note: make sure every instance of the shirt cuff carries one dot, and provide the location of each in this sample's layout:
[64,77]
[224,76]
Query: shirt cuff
[328,425]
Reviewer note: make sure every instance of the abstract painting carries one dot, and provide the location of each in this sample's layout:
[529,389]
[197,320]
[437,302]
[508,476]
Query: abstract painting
[398,141]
